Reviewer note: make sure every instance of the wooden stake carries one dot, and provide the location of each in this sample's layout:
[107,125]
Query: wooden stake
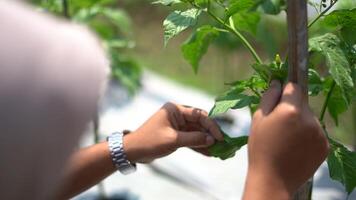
[297,17]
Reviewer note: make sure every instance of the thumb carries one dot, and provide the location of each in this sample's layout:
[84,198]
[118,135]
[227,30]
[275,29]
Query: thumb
[269,100]
[194,139]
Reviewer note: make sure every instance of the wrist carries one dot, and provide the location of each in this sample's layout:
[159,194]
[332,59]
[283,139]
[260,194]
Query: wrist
[134,148]
[260,185]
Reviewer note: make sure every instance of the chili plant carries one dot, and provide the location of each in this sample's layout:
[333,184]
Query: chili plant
[333,51]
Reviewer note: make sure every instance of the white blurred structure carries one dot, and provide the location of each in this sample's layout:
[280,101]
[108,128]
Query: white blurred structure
[185,175]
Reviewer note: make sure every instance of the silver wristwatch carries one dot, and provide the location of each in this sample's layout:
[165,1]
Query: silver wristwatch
[119,159]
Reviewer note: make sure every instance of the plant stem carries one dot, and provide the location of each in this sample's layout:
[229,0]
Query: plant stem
[322,14]
[255,92]
[235,32]
[240,36]
[221,30]
[65,8]
[326,102]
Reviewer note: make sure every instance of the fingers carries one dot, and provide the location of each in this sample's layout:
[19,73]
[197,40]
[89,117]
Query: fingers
[211,126]
[203,151]
[269,100]
[177,120]
[292,95]
[194,139]
[200,117]
[190,114]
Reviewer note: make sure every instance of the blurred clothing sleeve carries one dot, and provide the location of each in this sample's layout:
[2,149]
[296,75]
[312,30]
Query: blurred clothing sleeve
[52,73]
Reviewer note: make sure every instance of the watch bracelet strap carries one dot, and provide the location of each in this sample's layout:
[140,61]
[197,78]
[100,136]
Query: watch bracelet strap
[118,154]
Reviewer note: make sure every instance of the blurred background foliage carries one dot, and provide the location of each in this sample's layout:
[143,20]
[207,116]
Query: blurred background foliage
[132,34]
[112,24]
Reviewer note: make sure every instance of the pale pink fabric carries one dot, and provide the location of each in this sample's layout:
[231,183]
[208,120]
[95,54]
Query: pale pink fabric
[51,75]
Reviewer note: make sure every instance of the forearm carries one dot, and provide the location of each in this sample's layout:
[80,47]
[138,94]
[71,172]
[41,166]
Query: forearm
[265,186]
[86,168]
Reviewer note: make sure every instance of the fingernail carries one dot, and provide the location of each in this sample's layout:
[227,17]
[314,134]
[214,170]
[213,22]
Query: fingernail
[209,140]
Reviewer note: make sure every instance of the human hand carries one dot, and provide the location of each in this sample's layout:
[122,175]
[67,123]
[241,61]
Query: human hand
[171,127]
[286,144]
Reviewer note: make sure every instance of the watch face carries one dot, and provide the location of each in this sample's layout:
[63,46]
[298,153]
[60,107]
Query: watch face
[127,168]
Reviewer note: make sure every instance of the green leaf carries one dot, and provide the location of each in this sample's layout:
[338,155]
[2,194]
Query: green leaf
[346,20]
[348,34]
[330,46]
[337,103]
[83,3]
[126,71]
[201,3]
[273,7]
[117,16]
[227,148]
[196,46]
[273,71]
[315,83]
[263,70]
[232,99]
[341,18]
[236,6]
[167,2]
[247,21]
[342,165]
[119,44]
[178,21]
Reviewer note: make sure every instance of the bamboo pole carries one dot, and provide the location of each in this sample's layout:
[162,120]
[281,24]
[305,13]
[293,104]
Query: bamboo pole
[297,18]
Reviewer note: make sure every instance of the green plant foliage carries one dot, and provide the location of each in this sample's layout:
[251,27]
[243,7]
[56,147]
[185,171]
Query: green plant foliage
[337,103]
[345,20]
[342,165]
[330,46]
[232,101]
[275,70]
[197,45]
[112,25]
[167,2]
[315,83]
[341,18]
[178,21]
[227,148]
[118,17]
[335,81]
[247,21]
[234,98]
[237,6]
[273,7]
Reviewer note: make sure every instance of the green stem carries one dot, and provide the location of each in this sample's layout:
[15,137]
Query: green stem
[221,30]
[65,8]
[326,102]
[321,14]
[240,36]
[236,33]
[255,92]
